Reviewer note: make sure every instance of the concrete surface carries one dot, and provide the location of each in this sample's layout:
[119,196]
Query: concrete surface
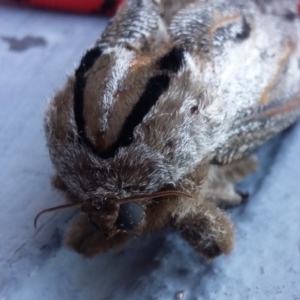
[37,50]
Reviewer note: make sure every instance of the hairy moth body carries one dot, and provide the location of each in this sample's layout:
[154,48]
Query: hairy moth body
[171,89]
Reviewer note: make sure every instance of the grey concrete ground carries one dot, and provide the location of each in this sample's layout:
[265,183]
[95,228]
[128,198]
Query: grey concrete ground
[37,50]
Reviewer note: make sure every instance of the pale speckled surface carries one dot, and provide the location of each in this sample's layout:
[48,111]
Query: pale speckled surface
[34,265]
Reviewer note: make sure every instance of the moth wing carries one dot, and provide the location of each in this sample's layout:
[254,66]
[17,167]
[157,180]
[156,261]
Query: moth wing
[202,26]
[133,25]
[256,126]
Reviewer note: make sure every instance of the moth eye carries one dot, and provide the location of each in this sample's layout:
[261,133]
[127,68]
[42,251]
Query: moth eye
[131,215]
[194,110]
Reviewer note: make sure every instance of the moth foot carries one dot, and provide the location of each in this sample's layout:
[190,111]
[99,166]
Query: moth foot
[219,185]
[238,199]
[245,197]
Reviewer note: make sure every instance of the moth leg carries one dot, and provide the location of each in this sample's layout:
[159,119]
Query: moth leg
[206,228]
[219,184]
[89,242]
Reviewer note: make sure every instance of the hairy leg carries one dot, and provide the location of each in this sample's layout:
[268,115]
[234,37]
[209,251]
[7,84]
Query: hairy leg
[218,186]
[206,228]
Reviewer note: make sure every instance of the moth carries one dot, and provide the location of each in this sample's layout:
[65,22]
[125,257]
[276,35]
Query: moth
[162,115]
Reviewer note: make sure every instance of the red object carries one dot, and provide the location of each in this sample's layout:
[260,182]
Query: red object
[106,7]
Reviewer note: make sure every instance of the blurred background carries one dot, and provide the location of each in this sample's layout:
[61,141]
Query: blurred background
[38,49]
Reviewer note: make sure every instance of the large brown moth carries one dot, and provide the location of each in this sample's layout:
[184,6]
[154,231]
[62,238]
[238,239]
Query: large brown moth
[162,114]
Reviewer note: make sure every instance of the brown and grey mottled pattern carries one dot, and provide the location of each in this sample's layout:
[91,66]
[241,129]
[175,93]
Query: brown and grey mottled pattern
[236,84]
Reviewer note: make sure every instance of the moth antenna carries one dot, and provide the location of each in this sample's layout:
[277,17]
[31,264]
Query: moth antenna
[120,201]
[54,209]
[155,195]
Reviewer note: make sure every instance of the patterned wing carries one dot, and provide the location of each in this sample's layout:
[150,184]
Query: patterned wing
[257,126]
[246,55]
[134,24]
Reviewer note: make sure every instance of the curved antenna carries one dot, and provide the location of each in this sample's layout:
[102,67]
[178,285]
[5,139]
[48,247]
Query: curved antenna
[118,201]
[154,195]
[59,207]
